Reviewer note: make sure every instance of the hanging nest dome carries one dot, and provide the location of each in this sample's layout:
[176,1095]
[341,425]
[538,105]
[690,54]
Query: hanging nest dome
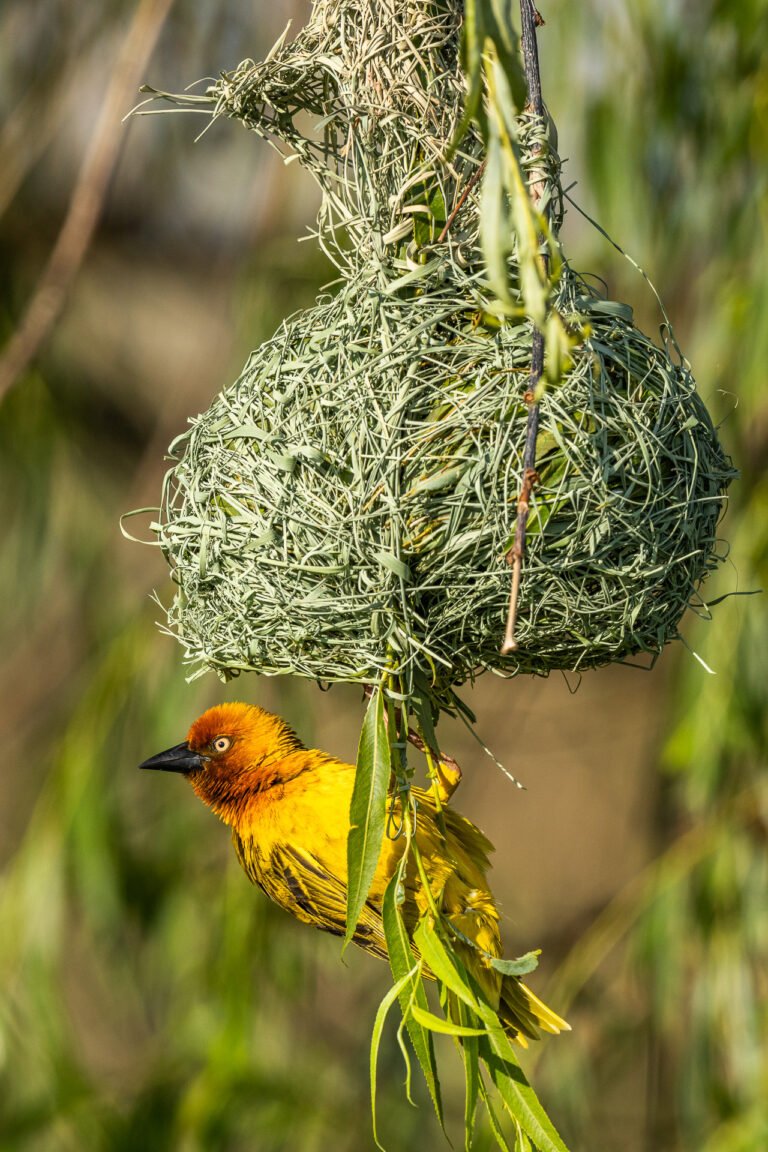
[346,506]
[350,499]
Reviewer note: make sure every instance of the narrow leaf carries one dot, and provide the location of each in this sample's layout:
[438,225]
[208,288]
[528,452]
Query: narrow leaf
[522,1143]
[519,1098]
[406,1060]
[378,1028]
[501,31]
[412,994]
[470,1056]
[368,810]
[443,965]
[445,1027]
[493,1119]
[495,1048]
[495,232]
[518,967]
[472,63]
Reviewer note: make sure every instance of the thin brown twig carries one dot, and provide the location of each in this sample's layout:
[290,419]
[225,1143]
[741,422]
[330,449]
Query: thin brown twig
[530,20]
[88,195]
[460,204]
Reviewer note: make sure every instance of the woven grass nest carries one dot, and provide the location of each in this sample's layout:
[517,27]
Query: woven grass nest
[345,507]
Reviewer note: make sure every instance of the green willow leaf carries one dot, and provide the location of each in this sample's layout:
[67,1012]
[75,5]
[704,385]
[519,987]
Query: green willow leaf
[559,346]
[521,966]
[470,1054]
[445,1027]
[522,1143]
[412,993]
[498,28]
[496,1128]
[495,230]
[367,810]
[472,38]
[495,1048]
[519,1098]
[443,965]
[507,210]
[378,1027]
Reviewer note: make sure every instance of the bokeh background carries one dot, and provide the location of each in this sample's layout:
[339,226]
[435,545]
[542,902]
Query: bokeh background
[150,999]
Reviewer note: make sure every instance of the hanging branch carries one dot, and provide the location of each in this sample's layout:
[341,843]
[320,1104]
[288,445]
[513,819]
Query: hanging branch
[530,20]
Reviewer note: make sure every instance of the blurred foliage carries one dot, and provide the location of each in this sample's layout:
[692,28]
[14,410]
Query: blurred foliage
[148,997]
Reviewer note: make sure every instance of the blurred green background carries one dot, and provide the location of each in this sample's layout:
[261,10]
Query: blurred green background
[149,997]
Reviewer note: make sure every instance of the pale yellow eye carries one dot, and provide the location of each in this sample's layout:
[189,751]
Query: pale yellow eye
[221,744]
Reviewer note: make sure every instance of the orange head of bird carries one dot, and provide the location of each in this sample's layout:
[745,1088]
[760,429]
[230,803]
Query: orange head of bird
[232,752]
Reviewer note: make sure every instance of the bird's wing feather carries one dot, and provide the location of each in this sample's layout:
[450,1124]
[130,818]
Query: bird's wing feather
[299,882]
[325,898]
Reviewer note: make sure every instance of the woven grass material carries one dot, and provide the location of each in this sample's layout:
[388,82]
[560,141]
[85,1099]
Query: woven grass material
[346,505]
[384,91]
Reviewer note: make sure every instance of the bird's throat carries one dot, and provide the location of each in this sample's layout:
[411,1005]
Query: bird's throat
[237,796]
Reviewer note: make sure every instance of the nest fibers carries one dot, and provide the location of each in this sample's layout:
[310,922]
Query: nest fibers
[345,507]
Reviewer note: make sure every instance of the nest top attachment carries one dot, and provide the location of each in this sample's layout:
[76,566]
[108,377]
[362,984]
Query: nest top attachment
[343,510]
[384,92]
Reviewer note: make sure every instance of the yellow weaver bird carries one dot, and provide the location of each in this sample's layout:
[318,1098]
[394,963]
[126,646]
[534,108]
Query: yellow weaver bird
[288,808]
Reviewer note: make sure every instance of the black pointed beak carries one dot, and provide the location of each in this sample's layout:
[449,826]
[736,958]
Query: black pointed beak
[180,758]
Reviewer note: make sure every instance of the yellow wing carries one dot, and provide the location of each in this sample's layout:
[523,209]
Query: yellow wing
[300,883]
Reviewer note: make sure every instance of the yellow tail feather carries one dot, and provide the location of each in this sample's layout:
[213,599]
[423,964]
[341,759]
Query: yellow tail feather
[523,1013]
